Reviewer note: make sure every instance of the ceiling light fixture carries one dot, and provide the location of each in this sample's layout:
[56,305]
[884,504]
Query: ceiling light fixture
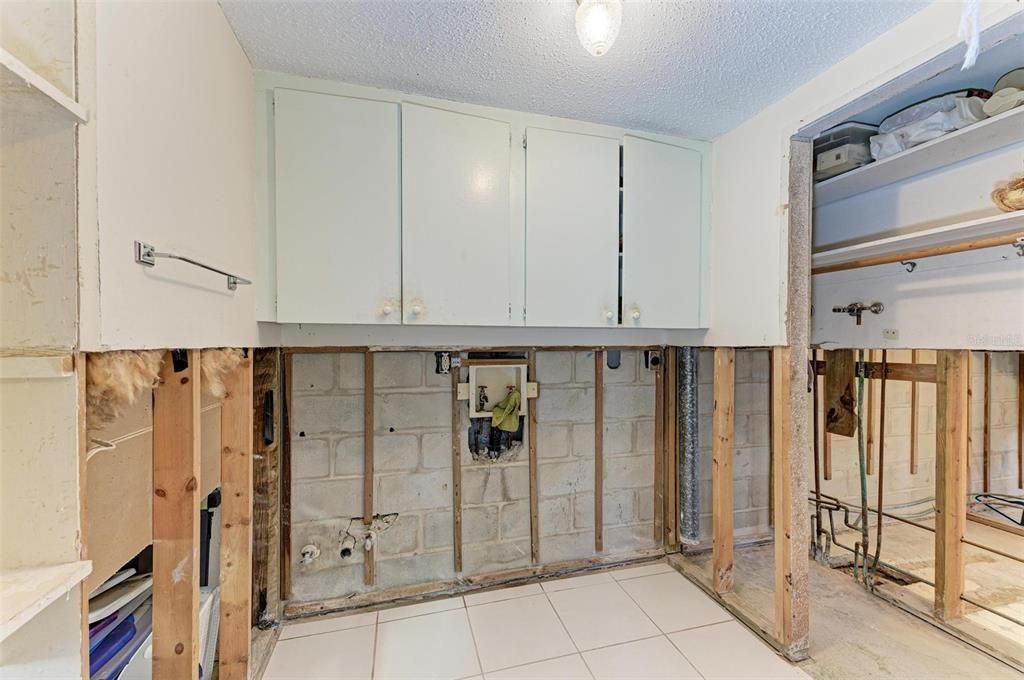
[597,24]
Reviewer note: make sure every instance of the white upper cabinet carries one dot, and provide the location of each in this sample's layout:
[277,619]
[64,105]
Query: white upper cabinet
[661,231]
[572,229]
[456,264]
[339,231]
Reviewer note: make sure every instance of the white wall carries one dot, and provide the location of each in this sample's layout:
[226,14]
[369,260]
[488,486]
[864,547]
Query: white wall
[750,171]
[167,159]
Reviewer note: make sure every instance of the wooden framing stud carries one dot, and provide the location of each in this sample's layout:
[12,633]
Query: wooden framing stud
[869,406]
[724,389]
[951,452]
[236,479]
[659,453]
[369,556]
[176,464]
[986,441]
[457,468]
[598,451]
[531,414]
[1020,420]
[285,581]
[671,428]
[914,390]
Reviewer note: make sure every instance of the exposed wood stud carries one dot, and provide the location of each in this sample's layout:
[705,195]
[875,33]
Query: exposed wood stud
[986,442]
[840,407]
[369,556]
[869,406]
[671,371]
[724,389]
[266,485]
[952,406]
[598,451]
[457,468]
[970,415]
[922,253]
[771,439]
[659,454]
[236,477]
[914,389]
[81,365]
[531,414]
[176,465]
[286,480]
[1020,420]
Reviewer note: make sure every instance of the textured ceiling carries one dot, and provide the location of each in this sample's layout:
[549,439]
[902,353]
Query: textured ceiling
[694,68]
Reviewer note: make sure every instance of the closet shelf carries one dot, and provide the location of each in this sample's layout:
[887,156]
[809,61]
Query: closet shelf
[987,135]
[984,232]
[27,591]
[30,99]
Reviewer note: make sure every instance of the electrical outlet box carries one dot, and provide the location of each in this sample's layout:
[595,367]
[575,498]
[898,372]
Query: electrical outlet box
[890,334]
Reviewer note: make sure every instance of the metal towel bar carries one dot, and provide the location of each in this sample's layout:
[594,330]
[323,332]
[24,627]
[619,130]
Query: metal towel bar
[146,254]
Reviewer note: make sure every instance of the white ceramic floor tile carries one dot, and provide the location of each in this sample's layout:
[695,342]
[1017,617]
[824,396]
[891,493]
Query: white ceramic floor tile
[576,582]
[651,659]
[517,632]
[564,668]
[674,603]
[330,656]
[728,650]
[431,646]
[601,615]
[503,594]
[327,625]
[432,607]
[645,570]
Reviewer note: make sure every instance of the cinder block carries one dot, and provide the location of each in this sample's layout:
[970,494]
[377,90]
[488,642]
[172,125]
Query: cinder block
[479,523]
[350,371]
[438,529]
[515,519]
[555,515]
[629,538]
[645,504]
[619,506]
[751,398]
[328,583]
[751,461]
[628,472]
[627,370]
[335,498]
[1004,387]
[559,479]
[409,411]
[618,438]
[565,547]
[402,537]
[753,430]
[897,420]
[629,401]
[396,452]
[348,457]
[644,436]
[436,450]
[397,369]
[423,568]
[310,458]
[484,558]
[705,367]
[583,510]
[323,415]
[516,482]
[313,372]
[584,369]
[325,535]
[560,405]
[415,491]
[554,368]
[552,441]
[481,484]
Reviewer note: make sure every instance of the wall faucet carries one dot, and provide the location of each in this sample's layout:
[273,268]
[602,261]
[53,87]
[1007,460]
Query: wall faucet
[858,308]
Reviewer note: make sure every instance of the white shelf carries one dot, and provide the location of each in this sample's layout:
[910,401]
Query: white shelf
[987,135]
[28,98]
[985,227]
[28,591]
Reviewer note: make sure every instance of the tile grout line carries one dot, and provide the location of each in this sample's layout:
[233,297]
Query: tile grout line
[373,653]
[472,636]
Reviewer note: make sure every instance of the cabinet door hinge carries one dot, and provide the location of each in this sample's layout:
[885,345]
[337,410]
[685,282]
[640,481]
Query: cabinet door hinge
[524,139]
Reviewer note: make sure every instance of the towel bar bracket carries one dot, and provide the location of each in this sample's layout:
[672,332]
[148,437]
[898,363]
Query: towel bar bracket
[146,255]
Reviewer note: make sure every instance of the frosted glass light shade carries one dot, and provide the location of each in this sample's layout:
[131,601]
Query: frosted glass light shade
[597,24]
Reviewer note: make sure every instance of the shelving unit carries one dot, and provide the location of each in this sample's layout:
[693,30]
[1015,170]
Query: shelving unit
[28,591]
[972,234]
[982,137]
[30,98]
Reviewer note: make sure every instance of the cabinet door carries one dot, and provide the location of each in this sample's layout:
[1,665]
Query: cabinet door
[661,234]
[339,233]
[455,218]
[572,229]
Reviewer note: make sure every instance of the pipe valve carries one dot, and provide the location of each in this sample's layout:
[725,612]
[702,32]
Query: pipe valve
[856,309]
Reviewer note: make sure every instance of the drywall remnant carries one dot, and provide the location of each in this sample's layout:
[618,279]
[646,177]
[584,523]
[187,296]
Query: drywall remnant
[116,380]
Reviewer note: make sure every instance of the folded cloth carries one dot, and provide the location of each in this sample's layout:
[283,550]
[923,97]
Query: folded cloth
[505,414]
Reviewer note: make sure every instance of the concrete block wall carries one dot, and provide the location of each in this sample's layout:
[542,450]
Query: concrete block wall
[565,452]
[412,470]
[751,439]
[900,486]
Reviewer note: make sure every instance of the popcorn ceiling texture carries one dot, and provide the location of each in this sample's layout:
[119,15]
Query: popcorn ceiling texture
[695,69]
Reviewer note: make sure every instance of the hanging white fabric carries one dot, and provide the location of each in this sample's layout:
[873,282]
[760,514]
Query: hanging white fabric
[969,32]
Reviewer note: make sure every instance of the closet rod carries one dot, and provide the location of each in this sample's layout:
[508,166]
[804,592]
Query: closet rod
[1015,240]
[146,254]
